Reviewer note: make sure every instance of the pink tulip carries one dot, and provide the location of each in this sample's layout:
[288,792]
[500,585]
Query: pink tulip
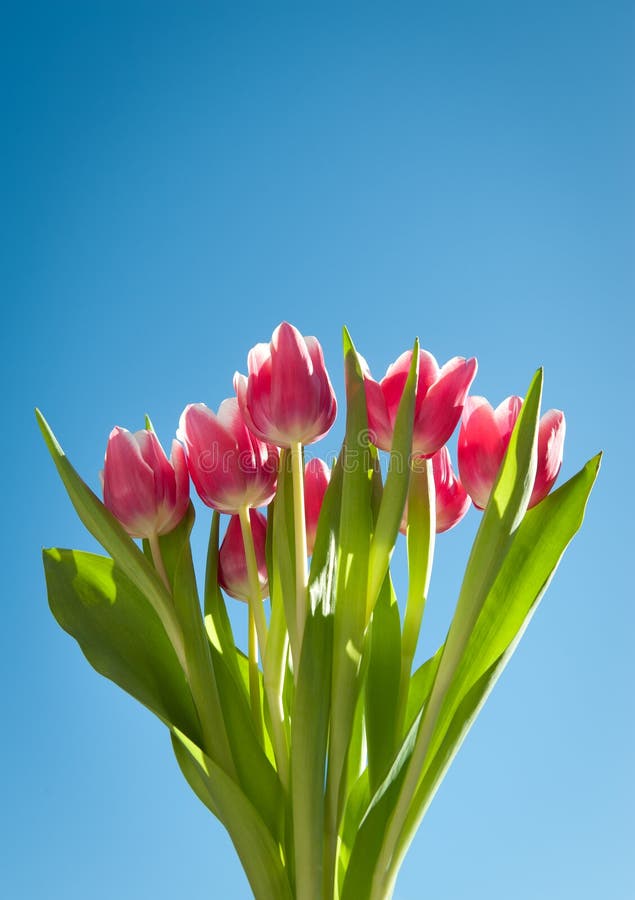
[316,480]
[483,440]
[232,564]
[230,467]
[452,500]
[287,397]
[148,493]
[441,393]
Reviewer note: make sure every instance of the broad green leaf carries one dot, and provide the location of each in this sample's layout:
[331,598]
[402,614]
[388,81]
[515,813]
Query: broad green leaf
[537,548]
[351,588]
[365,819]
[368,840]
[199,661]
[421,532]
[395,491]
[217,624]
[257,849]
[108,531]
[309,736]
[356,805]
[421,685]
[255,773]
[501,519]
[120,633]
[382,684]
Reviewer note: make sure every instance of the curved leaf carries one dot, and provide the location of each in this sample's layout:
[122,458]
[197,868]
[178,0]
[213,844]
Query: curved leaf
[120,633]
[258,851]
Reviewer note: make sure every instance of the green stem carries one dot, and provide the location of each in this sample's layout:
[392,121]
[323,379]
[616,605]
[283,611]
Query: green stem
[274,670]
[421,539]
[254,675]
[297,473]
[255,598]
[157,559]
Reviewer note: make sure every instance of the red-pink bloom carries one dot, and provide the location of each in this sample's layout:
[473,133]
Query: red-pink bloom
[316,480]
[441,393]
[232,563]
[483,440]
[452,500]
[287,397]
[229,466]
[148,493]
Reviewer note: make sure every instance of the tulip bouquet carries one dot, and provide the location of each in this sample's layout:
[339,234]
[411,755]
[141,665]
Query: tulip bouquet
[319,748]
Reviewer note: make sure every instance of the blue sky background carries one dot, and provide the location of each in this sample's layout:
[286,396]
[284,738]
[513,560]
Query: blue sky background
[178,178]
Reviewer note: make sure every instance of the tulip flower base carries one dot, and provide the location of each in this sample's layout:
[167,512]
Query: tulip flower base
[320,746]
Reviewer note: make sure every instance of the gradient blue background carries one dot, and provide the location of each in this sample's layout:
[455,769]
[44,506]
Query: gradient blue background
[178,178]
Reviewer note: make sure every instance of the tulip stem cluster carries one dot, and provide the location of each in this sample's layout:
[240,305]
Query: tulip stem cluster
[321,750]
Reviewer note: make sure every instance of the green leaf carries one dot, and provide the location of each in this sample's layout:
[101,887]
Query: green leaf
[309,735]
[257,849]
[395,491]
[199,661]
[537,548]
[421,532]
[217,623]
[421,685]
[108,531]
[351,589]
[256,775]
[368,840]
[501,519]
[120,633]
[535,552]
[382,684]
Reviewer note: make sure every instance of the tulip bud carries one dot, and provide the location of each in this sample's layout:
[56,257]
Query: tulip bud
[483,439]
[452,500]
[316,480]
[229,466]
[440,396]
[232,563]
[148,493]
[287,398]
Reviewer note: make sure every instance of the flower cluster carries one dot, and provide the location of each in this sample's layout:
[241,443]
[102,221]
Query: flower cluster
[269,737]
[287,401]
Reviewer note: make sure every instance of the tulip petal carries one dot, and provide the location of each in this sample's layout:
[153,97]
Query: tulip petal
[480,450]
[439,411]
[506,414]
[233,576]
[379,424]
[452,500]
[551,433]
[288,397]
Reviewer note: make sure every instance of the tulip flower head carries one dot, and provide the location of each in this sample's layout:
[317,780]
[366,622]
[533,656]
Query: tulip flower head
[452,500]
[316,480]
[232,564]
[230,467]
[483,439]
[287,398]
[145,490]
[441,393]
